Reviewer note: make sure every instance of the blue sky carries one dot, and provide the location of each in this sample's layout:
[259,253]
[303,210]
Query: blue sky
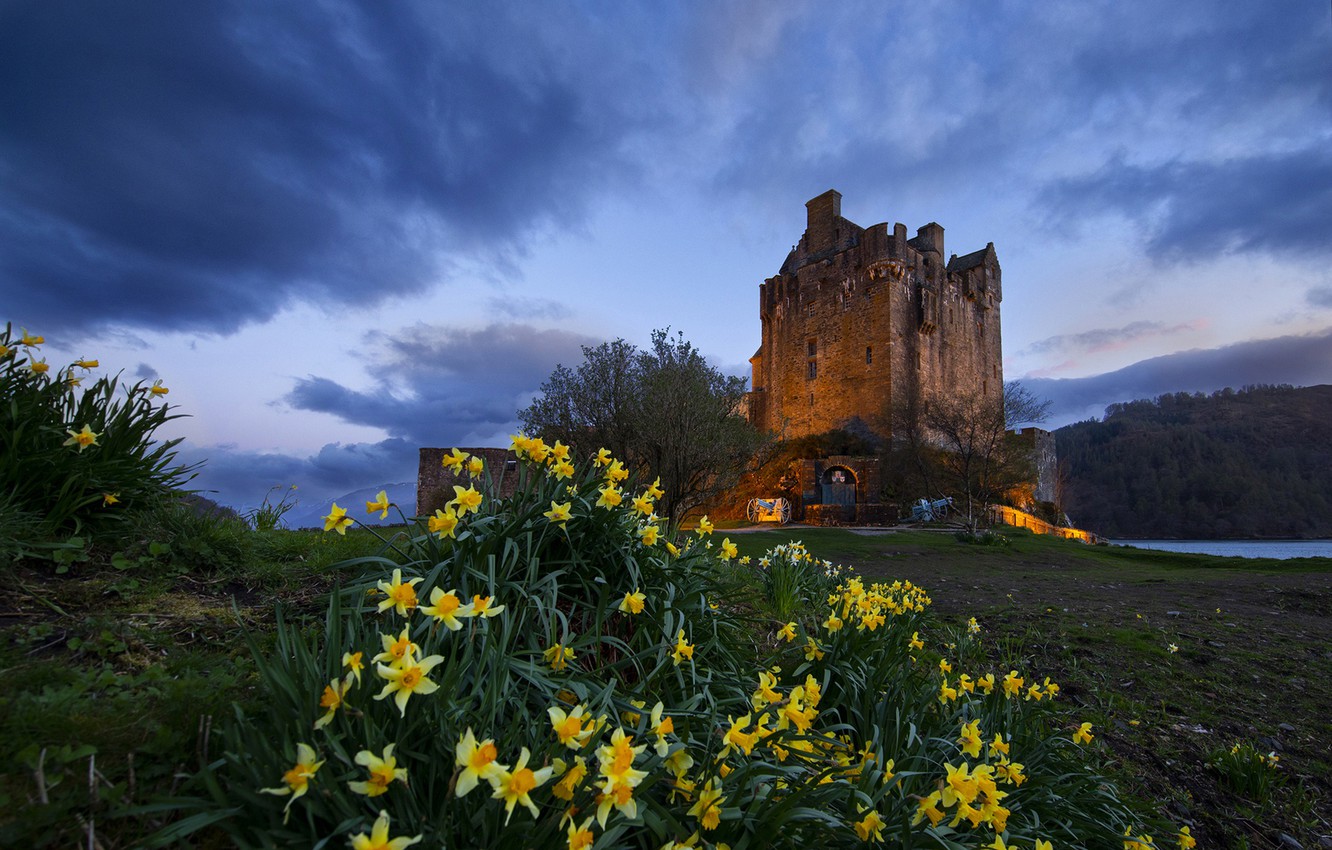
[339,232]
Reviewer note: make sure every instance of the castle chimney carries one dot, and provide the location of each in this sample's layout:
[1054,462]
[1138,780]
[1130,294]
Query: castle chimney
[930,238]
[821,220]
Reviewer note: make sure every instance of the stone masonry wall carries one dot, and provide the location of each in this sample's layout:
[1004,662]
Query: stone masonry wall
[857,318]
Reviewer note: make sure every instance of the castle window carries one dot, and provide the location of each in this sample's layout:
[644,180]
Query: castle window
[813,347]
[811,399]
[809,310]
[813,370]
[869,355]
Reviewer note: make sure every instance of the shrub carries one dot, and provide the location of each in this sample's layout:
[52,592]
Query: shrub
[550,670]
[76,460]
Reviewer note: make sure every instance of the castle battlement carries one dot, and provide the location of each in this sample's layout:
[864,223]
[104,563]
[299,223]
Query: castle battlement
[858,317]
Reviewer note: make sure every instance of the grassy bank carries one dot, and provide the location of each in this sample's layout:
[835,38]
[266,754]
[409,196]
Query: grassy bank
[111,677]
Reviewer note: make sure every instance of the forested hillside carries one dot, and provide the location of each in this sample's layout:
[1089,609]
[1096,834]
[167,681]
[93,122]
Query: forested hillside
[1250,463]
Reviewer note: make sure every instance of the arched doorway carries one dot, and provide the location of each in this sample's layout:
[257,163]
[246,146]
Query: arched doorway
[839,487]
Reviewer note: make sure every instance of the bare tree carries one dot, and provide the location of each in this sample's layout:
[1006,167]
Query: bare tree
[961,443]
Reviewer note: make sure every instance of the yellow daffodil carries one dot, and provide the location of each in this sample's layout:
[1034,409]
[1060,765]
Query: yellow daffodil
[5,351]
[87,364]
[683,649]
[970,739]
[297,779]
[572,779]
[482,607]
[443,523]
[559,513]
[633,602]
[833,623]
[619,795]
[610,497]
[573,728]
[331,699]
[1042,844]
[38,367]
[708,807]
[654,491]
[642,505]
[1172,649]
[561,470]
[30,340]
[617,759]
[928,807]
[579,836]
[475,466]
[465,500]
[158,389]
[812,650]
[944,666]
[661,727]
[383,770]
[558,656]
[477,761]
[379,839]
[352,663]
[109,499]
[537,450]
[870,827]
[615,473]
[673,549]
[728,549]
[337,520]
[1186,840]
[648,534]
[704,526]
[446,607]
[787,632]
[1012,684]
[603,457]
[518,444]
[736,738]
[998,745]
[399,595]
[83,439]
[514,787]
[381,504]
[396,649]
[407,679]
[1083,735]
[454,460]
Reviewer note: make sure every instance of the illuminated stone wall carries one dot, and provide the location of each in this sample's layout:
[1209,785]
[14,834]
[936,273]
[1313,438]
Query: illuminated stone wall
[858,317]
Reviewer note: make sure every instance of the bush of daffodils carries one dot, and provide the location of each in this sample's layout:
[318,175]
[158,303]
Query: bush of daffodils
[555,669]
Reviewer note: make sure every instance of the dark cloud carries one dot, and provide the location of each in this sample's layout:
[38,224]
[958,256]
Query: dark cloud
[199,167]
[1304,360]
[440,387]
[1320,296]
[1102,338]
[146,372]
[1277,204]
[452,385]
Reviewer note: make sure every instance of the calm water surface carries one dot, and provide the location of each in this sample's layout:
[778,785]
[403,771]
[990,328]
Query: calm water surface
[1240,548]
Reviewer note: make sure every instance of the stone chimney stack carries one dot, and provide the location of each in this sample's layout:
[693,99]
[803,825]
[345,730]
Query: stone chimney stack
[822,214]
[930,238]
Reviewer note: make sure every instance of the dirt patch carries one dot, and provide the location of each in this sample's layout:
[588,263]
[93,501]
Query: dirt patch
[1175,663]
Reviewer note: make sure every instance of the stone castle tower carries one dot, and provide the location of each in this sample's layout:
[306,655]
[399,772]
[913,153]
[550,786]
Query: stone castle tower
[860,318]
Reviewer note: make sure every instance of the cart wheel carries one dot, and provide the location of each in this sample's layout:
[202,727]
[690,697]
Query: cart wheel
[785,512]
[751,511]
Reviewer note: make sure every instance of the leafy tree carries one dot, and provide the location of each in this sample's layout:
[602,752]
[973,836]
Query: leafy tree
[664,409]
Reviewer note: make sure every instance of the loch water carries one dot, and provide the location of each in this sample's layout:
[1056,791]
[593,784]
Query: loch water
[1240,548]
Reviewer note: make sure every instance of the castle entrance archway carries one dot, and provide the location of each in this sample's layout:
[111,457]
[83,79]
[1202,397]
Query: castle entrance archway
[839,487]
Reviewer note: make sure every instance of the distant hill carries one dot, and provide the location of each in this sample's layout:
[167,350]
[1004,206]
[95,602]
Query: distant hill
[1255,462]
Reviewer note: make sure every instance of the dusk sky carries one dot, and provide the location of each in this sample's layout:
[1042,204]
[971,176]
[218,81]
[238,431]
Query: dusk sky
[342,231]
